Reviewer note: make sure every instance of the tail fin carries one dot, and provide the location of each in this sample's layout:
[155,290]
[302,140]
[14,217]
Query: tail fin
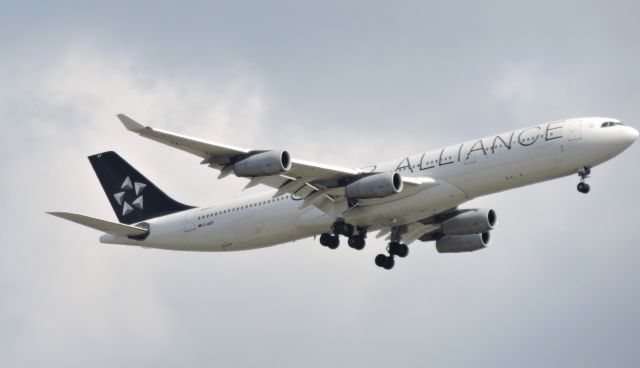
[132,196]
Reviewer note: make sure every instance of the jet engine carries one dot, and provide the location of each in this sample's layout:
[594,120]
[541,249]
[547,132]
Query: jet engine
[263,164]
[462,243]
[470,222]
[375,186]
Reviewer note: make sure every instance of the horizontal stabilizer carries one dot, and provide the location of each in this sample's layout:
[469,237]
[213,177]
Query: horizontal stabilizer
[102,225]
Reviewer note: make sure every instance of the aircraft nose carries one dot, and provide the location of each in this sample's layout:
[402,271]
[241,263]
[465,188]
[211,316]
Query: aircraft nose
[630,135]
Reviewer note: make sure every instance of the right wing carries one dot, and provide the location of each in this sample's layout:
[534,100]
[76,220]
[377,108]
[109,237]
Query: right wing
[108,227]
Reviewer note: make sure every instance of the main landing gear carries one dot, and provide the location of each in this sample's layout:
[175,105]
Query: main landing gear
[584,174]
[356,235]
[395,248]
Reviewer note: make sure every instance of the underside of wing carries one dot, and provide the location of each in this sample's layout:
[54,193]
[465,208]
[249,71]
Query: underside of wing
[454,230]
[407,234]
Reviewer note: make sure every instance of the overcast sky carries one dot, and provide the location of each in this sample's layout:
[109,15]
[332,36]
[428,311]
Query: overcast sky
[348,83]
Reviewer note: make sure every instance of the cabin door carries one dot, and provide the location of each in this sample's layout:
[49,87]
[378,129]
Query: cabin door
[575,130]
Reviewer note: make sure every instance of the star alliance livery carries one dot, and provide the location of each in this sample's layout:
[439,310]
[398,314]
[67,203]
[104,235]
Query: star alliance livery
[412,198]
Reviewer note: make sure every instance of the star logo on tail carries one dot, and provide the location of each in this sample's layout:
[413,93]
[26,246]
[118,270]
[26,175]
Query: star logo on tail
[127,187]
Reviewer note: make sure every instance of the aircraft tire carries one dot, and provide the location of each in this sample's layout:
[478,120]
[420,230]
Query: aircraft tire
[385,262]
[356,242]
[325,239]
[334,242]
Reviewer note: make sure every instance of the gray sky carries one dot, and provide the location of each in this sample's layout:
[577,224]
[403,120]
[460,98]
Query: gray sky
[368,80]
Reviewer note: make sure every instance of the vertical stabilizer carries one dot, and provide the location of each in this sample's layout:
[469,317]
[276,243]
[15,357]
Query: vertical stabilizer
[133,197]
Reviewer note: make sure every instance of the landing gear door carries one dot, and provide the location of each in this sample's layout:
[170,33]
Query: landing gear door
[575,130]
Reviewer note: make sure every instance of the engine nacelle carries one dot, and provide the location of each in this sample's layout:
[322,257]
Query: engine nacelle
[470,222]
[375,186]
[263,164]
[462,243]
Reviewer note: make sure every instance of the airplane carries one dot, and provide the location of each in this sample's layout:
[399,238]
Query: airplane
[404,200]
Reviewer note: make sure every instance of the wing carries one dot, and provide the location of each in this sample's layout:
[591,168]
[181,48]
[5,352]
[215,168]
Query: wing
[218,155]
[319,185]
[426,229]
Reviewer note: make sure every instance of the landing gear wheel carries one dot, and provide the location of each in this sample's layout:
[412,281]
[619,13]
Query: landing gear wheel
[349,230]
[385,262]
[356,242]
[398,249]
[329,241]
[583,187]
[334,242]
[338,227]
[342,228]
[403,251]
[325,239]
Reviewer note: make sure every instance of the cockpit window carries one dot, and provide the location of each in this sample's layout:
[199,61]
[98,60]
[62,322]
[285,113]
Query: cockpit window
[610,124]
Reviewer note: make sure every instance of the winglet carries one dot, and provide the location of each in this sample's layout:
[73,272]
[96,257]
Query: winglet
[130,124]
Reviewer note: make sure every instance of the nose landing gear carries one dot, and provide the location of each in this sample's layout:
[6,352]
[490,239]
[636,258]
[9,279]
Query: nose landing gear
[584,174]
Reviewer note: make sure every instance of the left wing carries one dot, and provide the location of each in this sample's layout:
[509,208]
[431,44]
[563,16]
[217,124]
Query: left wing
[318,184]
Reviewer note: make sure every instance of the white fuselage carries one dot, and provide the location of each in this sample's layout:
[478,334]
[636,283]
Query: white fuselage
[463,171]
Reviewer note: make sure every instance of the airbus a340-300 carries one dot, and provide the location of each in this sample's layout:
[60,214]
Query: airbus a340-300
[405,200]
